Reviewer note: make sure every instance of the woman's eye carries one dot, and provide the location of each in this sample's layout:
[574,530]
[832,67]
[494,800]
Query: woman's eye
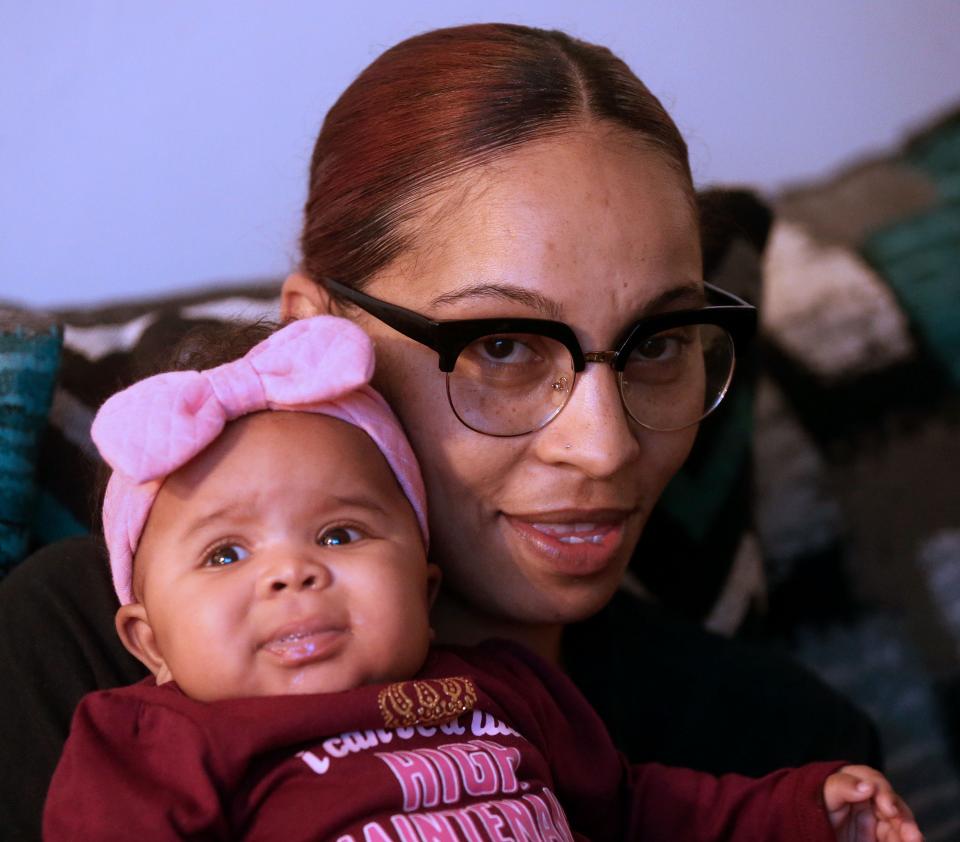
[664,346]
[498,348]
[227,554]
[657,347]
[338,536]
[506,349]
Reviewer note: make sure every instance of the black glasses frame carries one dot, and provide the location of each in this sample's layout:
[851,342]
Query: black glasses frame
[450,338]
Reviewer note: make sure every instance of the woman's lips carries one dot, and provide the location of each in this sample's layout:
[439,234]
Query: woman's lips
[572,543]
[298,645]
[573,533]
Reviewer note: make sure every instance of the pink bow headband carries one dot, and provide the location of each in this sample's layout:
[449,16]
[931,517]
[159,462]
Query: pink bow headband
[322,364]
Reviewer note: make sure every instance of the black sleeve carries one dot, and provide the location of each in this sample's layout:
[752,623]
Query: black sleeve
[673,693]
[57,642]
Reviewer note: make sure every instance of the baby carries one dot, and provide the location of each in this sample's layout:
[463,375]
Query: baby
[266,524]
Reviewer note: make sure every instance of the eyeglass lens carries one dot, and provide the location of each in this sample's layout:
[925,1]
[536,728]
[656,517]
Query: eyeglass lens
[510,384]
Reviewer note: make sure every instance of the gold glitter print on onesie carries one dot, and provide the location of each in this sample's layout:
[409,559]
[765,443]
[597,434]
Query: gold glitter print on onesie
[426,702]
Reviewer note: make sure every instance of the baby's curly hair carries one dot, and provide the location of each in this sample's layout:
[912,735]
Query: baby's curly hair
[205,345]
[209,344]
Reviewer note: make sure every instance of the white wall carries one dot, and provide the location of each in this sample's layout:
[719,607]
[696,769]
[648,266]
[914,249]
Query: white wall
[150,146]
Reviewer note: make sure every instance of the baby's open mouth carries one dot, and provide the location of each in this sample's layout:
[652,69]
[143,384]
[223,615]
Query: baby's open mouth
[294,646]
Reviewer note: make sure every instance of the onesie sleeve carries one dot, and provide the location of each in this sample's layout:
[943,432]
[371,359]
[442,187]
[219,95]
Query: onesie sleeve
[667,803]
[133,770]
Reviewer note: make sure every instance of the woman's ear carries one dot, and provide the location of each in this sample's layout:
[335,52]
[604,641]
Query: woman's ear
[136,634]
[301,298]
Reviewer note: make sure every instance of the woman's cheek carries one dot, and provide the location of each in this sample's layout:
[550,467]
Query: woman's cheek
[463,477]
[451,457]
[393,376]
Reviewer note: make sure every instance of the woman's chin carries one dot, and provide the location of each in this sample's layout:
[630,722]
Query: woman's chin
[548,600]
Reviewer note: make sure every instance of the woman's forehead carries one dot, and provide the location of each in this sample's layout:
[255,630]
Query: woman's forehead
[555,227]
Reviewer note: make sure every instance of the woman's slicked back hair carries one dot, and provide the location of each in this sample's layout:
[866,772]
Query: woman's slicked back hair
[437,104]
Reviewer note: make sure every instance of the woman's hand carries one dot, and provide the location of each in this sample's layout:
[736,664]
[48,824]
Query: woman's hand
[863,807]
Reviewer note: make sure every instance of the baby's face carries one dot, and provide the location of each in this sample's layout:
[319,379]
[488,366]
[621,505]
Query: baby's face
[283,559]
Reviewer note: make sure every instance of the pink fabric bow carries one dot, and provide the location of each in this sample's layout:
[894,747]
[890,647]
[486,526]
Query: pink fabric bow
[322,364]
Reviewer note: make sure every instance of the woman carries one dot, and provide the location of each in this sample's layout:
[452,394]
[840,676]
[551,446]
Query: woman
[504,173]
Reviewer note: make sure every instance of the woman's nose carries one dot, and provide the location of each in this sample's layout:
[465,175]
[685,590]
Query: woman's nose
[592,432]
[292,571]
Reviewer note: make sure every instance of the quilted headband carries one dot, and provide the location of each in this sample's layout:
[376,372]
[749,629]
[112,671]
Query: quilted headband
[146,432]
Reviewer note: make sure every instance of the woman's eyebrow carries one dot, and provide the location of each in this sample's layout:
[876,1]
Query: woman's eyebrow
[689,295]
[503,292]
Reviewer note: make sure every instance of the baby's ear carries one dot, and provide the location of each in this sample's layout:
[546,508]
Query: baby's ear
[136,634]
[301,298]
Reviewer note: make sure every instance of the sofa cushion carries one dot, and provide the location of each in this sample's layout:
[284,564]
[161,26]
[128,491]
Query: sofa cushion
[29,357]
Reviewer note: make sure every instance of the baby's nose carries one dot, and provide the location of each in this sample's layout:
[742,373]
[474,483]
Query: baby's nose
[293,572]
[280,583]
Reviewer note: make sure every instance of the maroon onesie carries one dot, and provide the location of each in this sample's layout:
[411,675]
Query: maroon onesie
[487,743]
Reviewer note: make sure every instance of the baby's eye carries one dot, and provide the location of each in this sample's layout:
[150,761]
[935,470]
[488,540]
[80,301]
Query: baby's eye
[226,554]
[338,535]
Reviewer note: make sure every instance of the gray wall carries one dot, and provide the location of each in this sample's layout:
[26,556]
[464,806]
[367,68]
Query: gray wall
[146,147]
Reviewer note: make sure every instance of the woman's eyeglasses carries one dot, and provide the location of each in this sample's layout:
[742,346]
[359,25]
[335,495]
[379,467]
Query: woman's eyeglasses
[511,376]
